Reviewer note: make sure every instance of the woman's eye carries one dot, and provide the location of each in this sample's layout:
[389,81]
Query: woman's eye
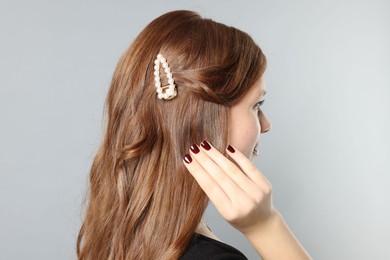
[259,104]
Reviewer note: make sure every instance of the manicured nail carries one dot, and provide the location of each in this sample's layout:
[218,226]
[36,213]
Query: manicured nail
[231,149]
[194,148]
[205,145]
[187,158]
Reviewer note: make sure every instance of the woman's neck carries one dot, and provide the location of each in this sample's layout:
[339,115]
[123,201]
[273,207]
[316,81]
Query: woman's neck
[203,229]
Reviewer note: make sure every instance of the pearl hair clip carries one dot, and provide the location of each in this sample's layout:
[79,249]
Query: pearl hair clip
[168,91]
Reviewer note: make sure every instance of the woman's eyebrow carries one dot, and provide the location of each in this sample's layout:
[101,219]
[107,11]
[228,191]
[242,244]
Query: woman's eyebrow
[263,93]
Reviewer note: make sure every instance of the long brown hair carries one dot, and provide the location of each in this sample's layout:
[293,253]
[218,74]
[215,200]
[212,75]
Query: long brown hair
[142,202]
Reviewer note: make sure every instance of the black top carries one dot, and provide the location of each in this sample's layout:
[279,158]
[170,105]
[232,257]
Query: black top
[202,247]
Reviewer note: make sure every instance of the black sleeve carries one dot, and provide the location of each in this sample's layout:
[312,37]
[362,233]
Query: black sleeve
[229,256]
[206,248]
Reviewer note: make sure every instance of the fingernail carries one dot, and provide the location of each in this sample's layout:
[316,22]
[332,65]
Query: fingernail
[231,149]
[205,145]
[194,148]
[187,158]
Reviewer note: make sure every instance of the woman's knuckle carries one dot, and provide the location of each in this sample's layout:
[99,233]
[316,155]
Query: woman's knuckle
[268,189]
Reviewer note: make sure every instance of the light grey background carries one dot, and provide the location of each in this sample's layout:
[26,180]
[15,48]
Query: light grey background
[327,155]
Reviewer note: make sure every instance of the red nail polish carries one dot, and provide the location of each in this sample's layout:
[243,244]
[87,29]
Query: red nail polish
[187,158]
[194,148]
[205,145]
[231,149]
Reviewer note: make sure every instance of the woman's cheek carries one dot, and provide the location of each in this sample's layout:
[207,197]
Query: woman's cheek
[245,132]
[249,140]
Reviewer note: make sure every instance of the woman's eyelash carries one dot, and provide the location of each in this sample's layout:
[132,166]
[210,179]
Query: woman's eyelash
[259,104]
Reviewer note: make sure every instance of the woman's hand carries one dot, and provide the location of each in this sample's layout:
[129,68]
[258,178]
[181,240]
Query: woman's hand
[242,196]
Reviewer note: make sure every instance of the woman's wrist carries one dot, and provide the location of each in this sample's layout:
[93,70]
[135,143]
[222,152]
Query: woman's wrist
[273,239]
[264,227]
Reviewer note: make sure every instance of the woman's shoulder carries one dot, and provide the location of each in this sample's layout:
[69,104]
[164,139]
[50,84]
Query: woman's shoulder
[203,247]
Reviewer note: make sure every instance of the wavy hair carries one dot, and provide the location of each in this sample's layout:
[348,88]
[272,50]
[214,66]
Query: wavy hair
[141,202]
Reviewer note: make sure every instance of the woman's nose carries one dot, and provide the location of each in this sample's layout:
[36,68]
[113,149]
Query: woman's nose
[265,124]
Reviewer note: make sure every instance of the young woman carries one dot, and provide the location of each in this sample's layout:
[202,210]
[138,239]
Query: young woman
[183,124]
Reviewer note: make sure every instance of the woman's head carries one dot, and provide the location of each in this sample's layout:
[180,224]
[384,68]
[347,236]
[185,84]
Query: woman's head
[213,66]
[140,191]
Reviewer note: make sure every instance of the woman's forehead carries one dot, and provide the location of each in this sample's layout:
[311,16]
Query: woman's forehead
[260,87]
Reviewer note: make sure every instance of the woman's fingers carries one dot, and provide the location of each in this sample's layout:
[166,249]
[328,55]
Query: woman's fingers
[220,194]
[224,192]
[224,180]
[242,196]
[249,168]
[206,182]
[249,178]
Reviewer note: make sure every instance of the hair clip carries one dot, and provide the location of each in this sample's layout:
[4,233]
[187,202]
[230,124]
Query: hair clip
[167,91]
